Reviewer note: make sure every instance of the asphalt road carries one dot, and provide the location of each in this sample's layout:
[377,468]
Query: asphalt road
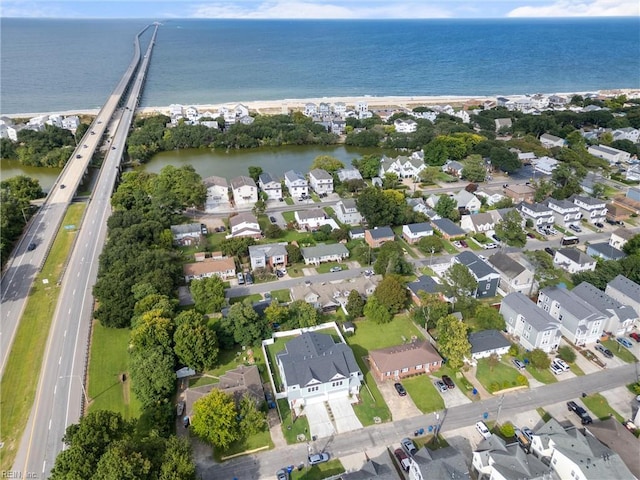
[264,465]
[60,394]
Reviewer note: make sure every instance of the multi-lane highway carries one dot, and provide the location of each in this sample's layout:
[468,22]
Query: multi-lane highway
[60,394]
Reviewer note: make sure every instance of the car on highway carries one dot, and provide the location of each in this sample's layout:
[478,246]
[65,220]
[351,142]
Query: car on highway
[272,219]
[635,336]
[92,132]
[32,246]
[483,430]
[604,350]
[400,389]
[335,269]
[113,148]
[78,156]
[408,446]
[440,386]
[448,382]
[624,342]
[85,146]
[62,186]
[316,458]
[402,458]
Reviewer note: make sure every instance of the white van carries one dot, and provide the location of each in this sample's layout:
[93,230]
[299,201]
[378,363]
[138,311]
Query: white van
[240,279]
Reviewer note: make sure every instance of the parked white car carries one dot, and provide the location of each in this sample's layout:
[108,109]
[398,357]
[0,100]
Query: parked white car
[483,430]
[558,362]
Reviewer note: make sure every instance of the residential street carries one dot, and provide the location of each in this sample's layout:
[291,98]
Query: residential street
[264,465]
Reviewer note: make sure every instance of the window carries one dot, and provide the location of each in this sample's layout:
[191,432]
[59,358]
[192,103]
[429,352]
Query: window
[312,389]
[488,287]
[418,367]
[555,460]
[405,370]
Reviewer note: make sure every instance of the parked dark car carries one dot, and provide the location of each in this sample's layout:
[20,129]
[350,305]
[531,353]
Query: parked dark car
[635,336]
[464,244]
[403,459]
[604,350]
[272,219]
[282,474]
[400,389]
[496,238]
[549,250]
[599,225]
[530,235]
[448,382]
[585,418]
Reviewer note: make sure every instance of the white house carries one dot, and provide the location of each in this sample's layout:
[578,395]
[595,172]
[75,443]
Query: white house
[532,326]
[625,291]
[467,201]
[72,122]
[488,342]
[270,185]
[245,191]
[310,219]
[402,166]
[627,133]
[321,181]
[244,225]
[573,260]
[8,131]
[349,173]
[593,210]
[548,141]
[619,237]
[545,165]
[620,318]
[322,253]
[565,212]
[217,193]
[405,125]
[413,232]
[223,267]
[347,212]
[514,276]
[541,215]
[296,183]
[610,154]
[268,255]
[479,222]
[187,234]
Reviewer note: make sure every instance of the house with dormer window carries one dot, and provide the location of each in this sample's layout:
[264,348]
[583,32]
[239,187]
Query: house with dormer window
[402,166]
[565,212]
[530,325]
[314,368]
[487,278]
[593,210]
[539,213]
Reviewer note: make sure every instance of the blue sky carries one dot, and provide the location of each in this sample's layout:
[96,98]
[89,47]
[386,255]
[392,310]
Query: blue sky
[325,9]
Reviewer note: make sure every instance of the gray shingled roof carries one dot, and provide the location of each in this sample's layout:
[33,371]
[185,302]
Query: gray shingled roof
[603,302]
[293,176]
[487,340]
[607,251]
[505,264]
[576,255]
[627,287]
[242,180]
[266,177]
[315,356]
[320,174]
[570,302]
[424,283]
[323,249]
[477,266]
[420,227]
[536,317]
[588,200]
[448,227]
[447,462]
[381,232]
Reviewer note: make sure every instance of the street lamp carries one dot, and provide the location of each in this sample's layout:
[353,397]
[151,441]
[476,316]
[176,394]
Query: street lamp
[84,392]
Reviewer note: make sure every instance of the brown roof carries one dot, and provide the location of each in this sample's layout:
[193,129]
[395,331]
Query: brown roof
[241,218]
[209,265]
[402,356]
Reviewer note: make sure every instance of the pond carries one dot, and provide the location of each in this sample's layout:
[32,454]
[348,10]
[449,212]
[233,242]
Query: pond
[45,175]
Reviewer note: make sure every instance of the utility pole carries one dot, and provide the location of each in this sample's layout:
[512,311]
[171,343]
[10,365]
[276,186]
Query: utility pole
[499,407]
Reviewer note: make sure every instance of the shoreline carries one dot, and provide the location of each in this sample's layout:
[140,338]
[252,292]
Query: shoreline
[374,102]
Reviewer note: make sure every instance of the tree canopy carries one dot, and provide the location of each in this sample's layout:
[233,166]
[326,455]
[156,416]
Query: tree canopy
[453,341]
[510,230]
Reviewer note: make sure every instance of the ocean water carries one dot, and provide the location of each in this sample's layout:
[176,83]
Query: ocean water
[53,65]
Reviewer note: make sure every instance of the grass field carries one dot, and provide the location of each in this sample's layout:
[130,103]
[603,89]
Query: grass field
[254,297]
[109,359]
[320,471]
[325,267]
[619,351]
[288,216]
[501,377]
[291,429]
[544,376]
[25,360]
[600,407]
[259,440]
[283,295]
[423,393]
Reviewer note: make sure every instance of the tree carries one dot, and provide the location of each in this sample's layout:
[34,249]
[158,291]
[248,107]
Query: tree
[179,188]
[273,231]
[632,247]
[447,207]
[430,244]
[431,308]
[383,207]
[152,375]
[302,314]
[23,187]
[392,293]
[474,169]
[252,420]
[368,165]
[507,430]
[428,175]
[176,461]
[196,345]
[214,419]
[390,180]
[460,284]
[376,311]
[255,172]
[453,341]
[276,313]
[390,259]
[510,230]
[208,294]
[539,359]
[152,330]
[124,461]
[294,254]
[355,304]
[504,159]
[488,318]
[247,326]
[328,163]
[567,353]
[545,271]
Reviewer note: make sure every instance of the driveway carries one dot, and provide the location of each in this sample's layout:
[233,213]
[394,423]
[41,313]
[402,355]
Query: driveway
[453,396]
[320,425]
[343,415]
[622,401]
[561,413]
[400,407]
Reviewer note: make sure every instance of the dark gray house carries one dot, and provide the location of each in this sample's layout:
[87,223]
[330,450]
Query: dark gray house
[487,278]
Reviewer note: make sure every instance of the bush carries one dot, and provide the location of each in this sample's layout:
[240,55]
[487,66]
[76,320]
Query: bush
[514,350]
[494,387]
[567,354]
[481,237]
[522,380]
[507,430]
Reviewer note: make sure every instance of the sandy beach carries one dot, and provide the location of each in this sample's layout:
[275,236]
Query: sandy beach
[267,107]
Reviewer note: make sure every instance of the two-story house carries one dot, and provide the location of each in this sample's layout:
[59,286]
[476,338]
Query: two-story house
[486,276]
[330,296]
[310,219]
[519,193]
[296,183]
[625,291]
[270,185]
[402,166]
[245,191]
[217,192]
[619,237]
[593,210]
[626,133]
[271,255]
[314,368]
[610,154]
[223,267]
[349,173]
[322,253]
[494,459]
[539,213]
[377,236]
[453,167]
[321,181]
[620,317]
[447,462]
[579,322]
[478,223]
[413,232]
[244,225]
[565,212]
[549,141]
[189,234]
[405,125]
[467,202]
[514,277]
[347,212]
[573,260]
[532,326]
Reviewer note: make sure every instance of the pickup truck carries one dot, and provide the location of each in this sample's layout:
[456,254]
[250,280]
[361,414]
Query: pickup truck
[585,418]
[523,441]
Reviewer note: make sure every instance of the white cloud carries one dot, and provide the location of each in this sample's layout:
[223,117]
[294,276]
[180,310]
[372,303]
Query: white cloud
[300,9]
[580,8]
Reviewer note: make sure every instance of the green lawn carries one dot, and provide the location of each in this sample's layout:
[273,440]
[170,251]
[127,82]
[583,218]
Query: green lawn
[288,200]
[576,369]
[289,216]
[320,471]
[259,440]
[315,197]
[423,393]
[272,350]
[108,361]
[325,267]
[600,407]
[619,351]
[544,376]
[371,403]
[448,247]
[228,360]
[501,377]
[372,336]
[459,379]
[254,297]
[283,295]
[23,365]
[291,429]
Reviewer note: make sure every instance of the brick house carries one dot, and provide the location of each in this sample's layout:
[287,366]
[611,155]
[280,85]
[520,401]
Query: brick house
[401,361]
